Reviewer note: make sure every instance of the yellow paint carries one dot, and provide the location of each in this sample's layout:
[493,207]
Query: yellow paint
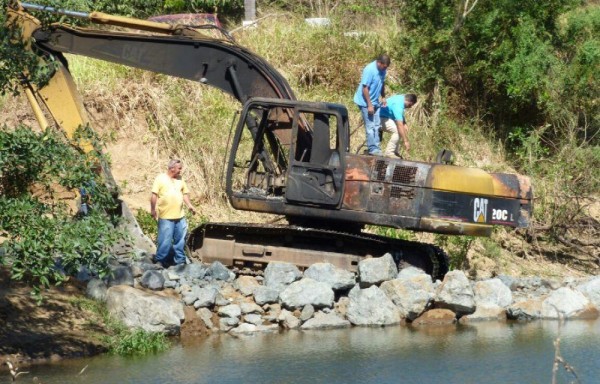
[460,179]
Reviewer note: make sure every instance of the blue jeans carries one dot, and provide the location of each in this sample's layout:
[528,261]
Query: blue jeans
[171,241]
[372,126]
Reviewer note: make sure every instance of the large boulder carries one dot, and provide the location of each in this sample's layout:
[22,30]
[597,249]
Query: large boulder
[412,295]
[370,306]
[338,279]
[486,312]
[288,320]
[120,275]
[139,309]
[438,316]
[455,293]
[220,272]
[591,289]
[492,292]
[152,279]
[246,285]
[96,289]
[307,292]
[568,303]
[377,270]
[325,321]
[280,275]
[265,295]
[525,310]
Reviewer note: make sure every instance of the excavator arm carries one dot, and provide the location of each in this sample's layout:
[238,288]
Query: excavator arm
[178,51]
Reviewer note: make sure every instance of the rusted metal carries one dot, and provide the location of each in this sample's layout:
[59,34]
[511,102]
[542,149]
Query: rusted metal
[255,245]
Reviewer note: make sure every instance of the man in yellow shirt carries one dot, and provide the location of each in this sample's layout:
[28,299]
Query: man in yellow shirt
[170,192]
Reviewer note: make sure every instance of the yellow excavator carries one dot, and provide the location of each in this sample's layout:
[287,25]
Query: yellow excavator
[299,163]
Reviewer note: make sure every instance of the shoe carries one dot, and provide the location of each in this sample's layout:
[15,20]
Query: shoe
[376,153]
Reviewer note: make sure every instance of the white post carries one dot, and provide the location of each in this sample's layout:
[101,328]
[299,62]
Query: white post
[249,10]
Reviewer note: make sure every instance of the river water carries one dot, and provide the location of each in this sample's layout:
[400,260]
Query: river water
[477,353]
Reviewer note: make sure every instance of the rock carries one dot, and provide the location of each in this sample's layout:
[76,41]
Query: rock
[371,306]
[206,315]
[409,272]
[591,289]
[121,275]
[325,321]
[486,312]
[412,295]
[567,303]
[338,279]
[341,307]
[288,320]
[84,274]
[253,318]
[96,289]
[280,275]
[246,285]
[377,270]
[152,280]
[206,297]
[227,323]
[307,312]
[436,317]
[273,311]
[525,310]
[172,276]
[219,272]
[455,293]
[139,309]
[170,284]
[492,292]
[249,329]
[251,308]
[231,310]
[307,292]
[221,301]
[194,271]
[265,295]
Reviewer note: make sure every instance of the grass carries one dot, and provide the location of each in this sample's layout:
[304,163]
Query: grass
[118,338]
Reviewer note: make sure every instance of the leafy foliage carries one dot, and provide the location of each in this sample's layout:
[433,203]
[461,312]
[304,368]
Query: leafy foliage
[45,242]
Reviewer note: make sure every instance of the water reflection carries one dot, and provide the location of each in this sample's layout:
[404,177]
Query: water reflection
[472,353]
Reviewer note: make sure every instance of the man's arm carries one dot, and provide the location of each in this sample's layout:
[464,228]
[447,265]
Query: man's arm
[403,132]
[188,203]
[153,200]
[367,96]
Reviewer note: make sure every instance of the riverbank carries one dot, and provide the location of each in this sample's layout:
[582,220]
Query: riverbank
[195,300]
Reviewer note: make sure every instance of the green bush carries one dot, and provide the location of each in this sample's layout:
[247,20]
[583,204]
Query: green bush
[45,242]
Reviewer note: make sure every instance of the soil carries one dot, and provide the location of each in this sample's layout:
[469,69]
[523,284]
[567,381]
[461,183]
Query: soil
[59,328]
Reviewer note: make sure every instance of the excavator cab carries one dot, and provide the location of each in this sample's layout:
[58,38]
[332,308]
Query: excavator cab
[288,153]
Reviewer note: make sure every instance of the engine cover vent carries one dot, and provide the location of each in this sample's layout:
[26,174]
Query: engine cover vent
[404,175]
[399,192]
[380,168]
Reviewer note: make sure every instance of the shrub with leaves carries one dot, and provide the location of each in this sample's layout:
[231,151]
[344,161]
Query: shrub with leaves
[45,241]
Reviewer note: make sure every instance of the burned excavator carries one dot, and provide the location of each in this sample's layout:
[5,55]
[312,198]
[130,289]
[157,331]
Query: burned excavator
[287,157]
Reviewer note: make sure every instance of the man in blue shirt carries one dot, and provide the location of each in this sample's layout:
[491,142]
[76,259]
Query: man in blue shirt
[370,96]
[393,121]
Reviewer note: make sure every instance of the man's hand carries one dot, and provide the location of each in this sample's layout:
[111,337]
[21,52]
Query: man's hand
[193,210]
[370,109]
[154,214]
[406,146]
[383,102]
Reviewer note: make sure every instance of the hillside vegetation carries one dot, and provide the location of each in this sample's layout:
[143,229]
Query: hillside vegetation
[507,86]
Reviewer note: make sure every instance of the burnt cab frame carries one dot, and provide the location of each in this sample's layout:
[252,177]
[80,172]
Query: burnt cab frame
[314,138]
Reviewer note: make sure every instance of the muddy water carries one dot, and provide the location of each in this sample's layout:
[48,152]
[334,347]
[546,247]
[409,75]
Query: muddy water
[480,353]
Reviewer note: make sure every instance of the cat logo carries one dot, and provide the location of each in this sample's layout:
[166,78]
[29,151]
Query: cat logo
[480,210]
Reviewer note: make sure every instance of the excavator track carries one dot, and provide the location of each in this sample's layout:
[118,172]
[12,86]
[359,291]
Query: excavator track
[253,246]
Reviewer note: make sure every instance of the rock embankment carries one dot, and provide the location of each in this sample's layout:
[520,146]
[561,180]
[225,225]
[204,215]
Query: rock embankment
[143,294]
